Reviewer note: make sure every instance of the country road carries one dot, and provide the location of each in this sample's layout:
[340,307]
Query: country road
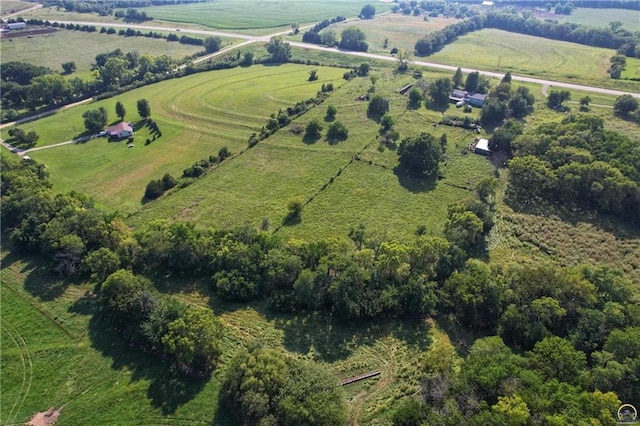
[248,39]
[264,39]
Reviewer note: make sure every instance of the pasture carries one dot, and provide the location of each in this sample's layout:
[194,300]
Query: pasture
[53,49]
[340,191]
[197,115]
[401,31]
[12,6]
[262,16]
[56,355]
[502,51]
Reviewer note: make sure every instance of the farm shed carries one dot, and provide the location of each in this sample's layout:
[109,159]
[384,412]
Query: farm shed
[17,26]
[482,147]
[120,130]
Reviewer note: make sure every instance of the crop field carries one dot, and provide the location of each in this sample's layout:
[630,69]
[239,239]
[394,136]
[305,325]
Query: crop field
[601,17]
[12,6]
[401,31]
[54,49]
[522,54]
[55,355]
[197,115]
[340,191]
[260,15]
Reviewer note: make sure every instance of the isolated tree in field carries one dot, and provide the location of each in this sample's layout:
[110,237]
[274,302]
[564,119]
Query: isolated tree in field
[295,27]
[337,131]
[193,340]
[420,155]
[458,78]
[415,97]
[69,67]
[472,82]
[280,50]
[557,97]
[440,90]
[331,112]
[378,106]
[403,58]
[144,110]
[373,79]
[506,78]
[363,69]
[386,122]
[584,103]
[95,119]
[212,44]
[313,130]
[368,12]
[294,207]
[120,110]
[625,104]
[313,75]
[353,38]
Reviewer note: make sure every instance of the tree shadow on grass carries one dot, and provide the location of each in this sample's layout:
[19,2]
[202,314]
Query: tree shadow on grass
[39,281]
[331,341]
[310,140]
[168,388]
[412,183]
[437,107]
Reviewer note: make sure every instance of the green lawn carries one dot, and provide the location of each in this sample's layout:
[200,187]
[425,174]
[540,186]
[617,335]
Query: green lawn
[263,14]
[197,115]
[53,49]
[522,54]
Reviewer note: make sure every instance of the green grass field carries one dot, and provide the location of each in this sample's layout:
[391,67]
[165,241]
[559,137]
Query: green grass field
[197,115]
[264,14]
[55,355]
[341,192]
[601,17]
[54,49]
[401,31]
[521,54]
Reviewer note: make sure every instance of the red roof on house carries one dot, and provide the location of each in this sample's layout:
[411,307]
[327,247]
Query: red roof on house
[119,128]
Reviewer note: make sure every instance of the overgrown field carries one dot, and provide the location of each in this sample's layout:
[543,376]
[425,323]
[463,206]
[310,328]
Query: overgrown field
[55,354]
[343,183]
[262,15]
[502,51]
[53,49]
[197,115]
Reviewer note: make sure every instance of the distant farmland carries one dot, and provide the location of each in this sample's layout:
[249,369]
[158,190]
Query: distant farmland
[54,49]
[522,54]
[247,14]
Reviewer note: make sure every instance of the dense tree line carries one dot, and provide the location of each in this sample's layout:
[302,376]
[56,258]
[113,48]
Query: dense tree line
[578,162]
[599,4]
[576,324]
[625,41]
[313,35]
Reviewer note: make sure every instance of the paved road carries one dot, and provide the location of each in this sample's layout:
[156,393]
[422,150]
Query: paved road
[254,39]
